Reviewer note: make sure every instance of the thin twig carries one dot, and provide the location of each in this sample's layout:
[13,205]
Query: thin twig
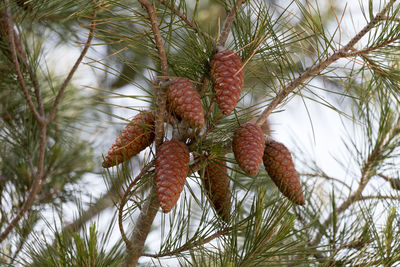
[124,199]
[74,68]
[340,53]
[370,49]
[324,176]
[388,18]
[187,21]
[366,173]
[190,246]
[378,197]
[228,23]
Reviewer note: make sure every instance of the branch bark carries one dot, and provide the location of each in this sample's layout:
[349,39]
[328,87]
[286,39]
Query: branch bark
[149,211]
[228,23]
[340,53]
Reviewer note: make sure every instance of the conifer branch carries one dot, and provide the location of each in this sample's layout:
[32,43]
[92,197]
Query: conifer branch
[149,211]
[36,185]
[43,122]
[368,170]
[161,95]
[190,246]
[144,222]
[21,81]
[228,23]
[187,21]
[340,53]
[373,48]
[75,67]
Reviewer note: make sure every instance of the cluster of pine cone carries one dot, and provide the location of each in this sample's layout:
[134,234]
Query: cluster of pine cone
[249,145]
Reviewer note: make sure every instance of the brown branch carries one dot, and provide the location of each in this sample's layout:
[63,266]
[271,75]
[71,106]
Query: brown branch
[142,228]
[378,197]
[21,81]
[340,53]
[187,21]
[149,211]
[144,222]
[370,49]
[75,67]
[161,96]
[228,23]
[388,18]
[191,245]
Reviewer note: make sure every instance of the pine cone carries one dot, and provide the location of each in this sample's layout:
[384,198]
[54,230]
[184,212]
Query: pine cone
[136,136]
[227,76]
[248,147]
[172,167]
[216,183]
[279,165]
[185,101]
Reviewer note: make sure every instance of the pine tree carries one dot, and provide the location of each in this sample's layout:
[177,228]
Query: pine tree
[153,65]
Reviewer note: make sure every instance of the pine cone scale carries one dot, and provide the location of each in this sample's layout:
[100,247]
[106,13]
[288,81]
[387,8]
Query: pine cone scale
[216,183]
[185,101]
[279,166]
[135,137]
[227,76]
[172,167]
[248,147]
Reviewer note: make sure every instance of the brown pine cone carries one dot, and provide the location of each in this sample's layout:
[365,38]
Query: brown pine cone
[185,101]
[227,75]
[216,183]
[136,136]
[172,167]
[279,165]
[248,147]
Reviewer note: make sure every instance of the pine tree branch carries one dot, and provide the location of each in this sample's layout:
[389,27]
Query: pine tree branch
[340,53]
[21,81]
[43,122]
[142,228]
[161,96]
[190,246]
[36,186]
[376,47]
[75,67]
[367,172]
[228,23]
[187,21]
[145,220]
[389,18]
[149,211]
